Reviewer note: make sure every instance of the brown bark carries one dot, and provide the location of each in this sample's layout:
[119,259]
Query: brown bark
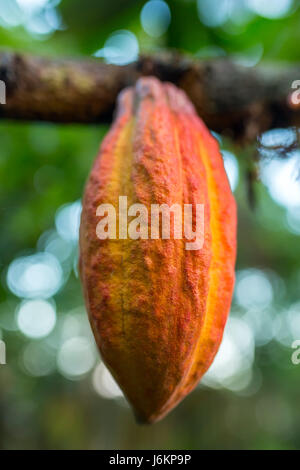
[231,99]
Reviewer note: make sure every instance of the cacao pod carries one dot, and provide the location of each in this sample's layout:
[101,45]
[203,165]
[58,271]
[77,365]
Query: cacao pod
[157,309]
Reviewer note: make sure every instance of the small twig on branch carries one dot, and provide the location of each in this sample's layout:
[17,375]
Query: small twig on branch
[232,99]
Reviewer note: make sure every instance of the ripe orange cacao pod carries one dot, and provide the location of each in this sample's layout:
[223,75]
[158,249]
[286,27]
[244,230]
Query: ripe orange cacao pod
[158,309]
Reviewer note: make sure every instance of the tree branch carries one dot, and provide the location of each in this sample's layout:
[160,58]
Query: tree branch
[232,99]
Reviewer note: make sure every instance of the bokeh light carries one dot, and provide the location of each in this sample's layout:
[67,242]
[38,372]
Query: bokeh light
[276,138]
[32,5]
[281,178]
[262,324]
[10,13]
[38,360]
[270,9]
[214,12]
[120,48]
[76,357]
[35,276]
[36,318]
[293,219]
[249,57]
[253,289]
[232,366]
[294,320]
[104,384]
[287,325]
[58,247]
[43,23]
[67,221]
[231,167]
[75,323]
[155,17]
